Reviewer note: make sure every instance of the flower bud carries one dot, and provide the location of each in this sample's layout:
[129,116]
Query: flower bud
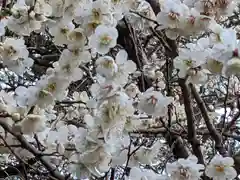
[16,116]
[3,108]
[211,107]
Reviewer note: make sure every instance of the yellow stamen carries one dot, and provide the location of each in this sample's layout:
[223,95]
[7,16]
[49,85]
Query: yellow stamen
[188,62]
[219,168]
[51,87]
[107,64]
[105,39]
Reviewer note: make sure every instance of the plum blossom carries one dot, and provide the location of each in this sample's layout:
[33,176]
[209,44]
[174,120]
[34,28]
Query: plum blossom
[185,169]
[146,155]
[41,7]
[221,168]
[91,14]
[14,54]
[96,159]
[111,106]
[12,49]
[125,67]
[23,22]
[103,39]
[32,123]
[171,14]
[132,90]
[154,103]
[137,173]
[61,31]
[114,112]
[187,62]
[106,66]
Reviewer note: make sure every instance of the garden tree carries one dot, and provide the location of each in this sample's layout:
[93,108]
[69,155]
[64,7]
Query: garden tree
[119,89]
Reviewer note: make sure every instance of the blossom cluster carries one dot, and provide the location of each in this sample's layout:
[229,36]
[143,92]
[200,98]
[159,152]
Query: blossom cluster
[87,32]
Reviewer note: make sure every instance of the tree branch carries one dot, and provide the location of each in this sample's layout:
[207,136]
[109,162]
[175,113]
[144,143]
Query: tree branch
[192,138]
[38,154]
[212,130]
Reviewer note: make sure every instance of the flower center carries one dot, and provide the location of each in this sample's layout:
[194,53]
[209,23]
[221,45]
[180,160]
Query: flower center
[105,39]
[11,51]
[191,19]
[153,100]
[78,36]
[96,13]
[51,87]
[188,62]
[173,15]
[116,1]
[43,94]
[107,64]
[75,51]
[219,168]
[93,25]
[67,67]
[184,173]
[64,30]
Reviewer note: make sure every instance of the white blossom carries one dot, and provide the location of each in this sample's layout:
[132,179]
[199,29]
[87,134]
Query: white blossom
[221,168]
[103,39]
[61,31]
[154,103]
[137,173]
[185,169]
[14,55]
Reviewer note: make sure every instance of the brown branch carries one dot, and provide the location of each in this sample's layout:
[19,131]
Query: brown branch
[26,145]
[144,17]
[177,145]
[112,174]
[234,119]
[15,170]
[212,130]
[69,102]
[192,138]
[225,106]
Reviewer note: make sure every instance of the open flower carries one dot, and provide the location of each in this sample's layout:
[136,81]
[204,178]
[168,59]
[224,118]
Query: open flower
[171,14]
[14,55]
[23,22]
[125,67]
[33,123]
[12,49]
[61,31]
[103,39]
[221,168]
[184,169]
[106,66]
[188,61]
[137,174]
[154,103]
